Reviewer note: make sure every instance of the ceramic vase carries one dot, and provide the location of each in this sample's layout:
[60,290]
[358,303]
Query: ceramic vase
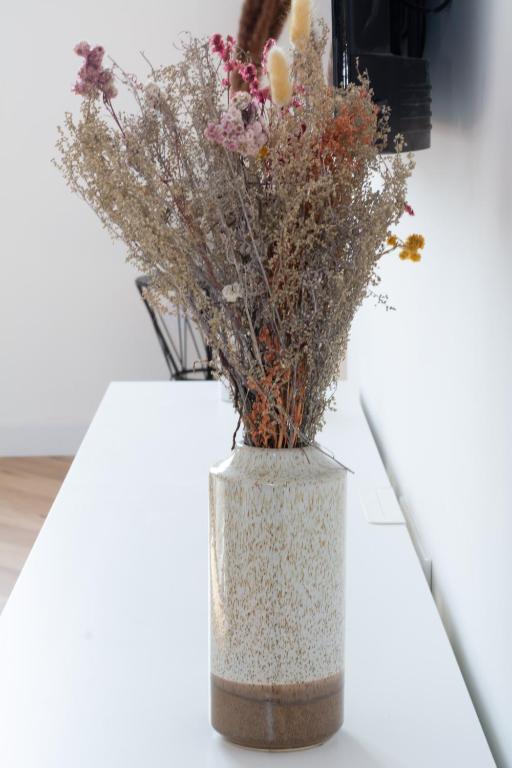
[277,581]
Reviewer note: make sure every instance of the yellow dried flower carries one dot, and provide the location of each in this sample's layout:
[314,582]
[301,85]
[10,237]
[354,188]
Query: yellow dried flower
[300,23]
[414,242]
[262,154]
[392,241]
[406,253]
[281,88]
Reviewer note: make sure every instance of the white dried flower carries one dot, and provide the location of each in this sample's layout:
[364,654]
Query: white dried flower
[241,100]
[154,95]
[232,292]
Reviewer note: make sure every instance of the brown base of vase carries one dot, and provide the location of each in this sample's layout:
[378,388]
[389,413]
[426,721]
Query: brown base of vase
[277,717]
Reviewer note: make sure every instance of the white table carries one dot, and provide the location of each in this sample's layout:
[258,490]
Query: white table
[103,643]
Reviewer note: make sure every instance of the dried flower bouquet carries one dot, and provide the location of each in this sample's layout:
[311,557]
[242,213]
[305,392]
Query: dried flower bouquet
[262,211]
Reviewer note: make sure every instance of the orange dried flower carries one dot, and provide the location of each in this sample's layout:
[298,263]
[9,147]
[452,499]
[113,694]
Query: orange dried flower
[355,124]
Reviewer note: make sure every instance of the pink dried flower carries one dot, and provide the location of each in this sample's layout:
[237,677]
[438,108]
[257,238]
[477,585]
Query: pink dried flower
[261,95]
[95,57]
[229,47]
[231,65]
[223,48]
[409,209]
[82,49]
[239,128]
[105,77]
[216,43]
[81,88]
[248,73]
[92,76]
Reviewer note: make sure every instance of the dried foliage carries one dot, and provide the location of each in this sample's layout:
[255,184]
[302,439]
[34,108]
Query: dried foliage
[264,222]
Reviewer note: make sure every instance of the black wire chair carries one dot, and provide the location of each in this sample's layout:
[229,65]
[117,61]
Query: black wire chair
[186,353]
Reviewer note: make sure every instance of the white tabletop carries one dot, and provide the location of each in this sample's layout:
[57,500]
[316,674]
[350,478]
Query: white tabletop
[104,641]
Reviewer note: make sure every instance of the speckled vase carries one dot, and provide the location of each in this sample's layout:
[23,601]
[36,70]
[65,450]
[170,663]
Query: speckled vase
[277,540]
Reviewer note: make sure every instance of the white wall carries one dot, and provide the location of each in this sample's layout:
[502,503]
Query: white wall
[436,374]
[70,318]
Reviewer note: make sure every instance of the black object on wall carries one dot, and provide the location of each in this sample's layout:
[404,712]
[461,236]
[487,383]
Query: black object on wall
[387,39]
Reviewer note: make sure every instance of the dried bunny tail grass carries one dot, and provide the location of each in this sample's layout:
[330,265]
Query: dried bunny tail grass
[280,17]
[250,11]
[278,69]
[259,21]
[300,23]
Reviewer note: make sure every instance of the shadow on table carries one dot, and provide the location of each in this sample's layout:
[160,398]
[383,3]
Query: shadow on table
[342,750]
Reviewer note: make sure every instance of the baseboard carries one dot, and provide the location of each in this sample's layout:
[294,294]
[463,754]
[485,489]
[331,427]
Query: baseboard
[44,440]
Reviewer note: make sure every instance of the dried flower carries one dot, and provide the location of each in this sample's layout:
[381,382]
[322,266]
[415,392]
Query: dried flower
[154,95]
[82,49]
[239,128]
[241,100]
[407,253]
[408,209]
[409,250]
[300,23]
[281,88]
[93,77]
[414,242]
[232,292]
[266,224]
[248,73]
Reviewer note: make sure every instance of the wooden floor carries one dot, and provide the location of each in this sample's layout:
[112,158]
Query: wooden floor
[28,486]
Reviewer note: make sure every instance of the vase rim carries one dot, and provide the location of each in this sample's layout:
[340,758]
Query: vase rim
[240,444]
